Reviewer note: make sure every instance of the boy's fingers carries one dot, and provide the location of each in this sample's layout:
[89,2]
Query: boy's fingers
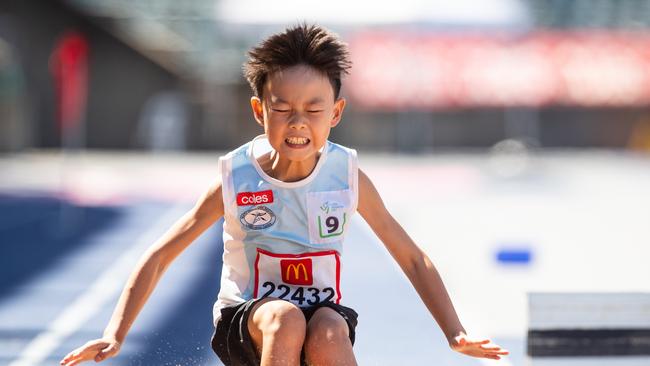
[478,343]
[497,349]
[100,356]
[79,355]
[107,352]
[69,357]
[498,354]
[72,360]
[491,348]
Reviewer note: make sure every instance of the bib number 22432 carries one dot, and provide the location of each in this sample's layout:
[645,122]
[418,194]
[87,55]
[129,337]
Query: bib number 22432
[303,279]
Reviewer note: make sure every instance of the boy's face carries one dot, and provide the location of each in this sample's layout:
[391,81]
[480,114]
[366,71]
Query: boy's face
[297,111]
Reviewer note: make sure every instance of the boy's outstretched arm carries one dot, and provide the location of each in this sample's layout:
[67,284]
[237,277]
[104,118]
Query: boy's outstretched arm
[421,272]
[153,263]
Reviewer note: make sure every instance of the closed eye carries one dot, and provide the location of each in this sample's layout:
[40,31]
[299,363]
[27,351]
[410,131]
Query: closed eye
[280,110]
[315,111]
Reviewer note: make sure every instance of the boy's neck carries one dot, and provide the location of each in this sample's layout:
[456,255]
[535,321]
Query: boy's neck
[286,170]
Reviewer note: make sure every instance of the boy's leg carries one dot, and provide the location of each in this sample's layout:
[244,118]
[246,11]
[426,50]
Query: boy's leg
[277,328]
[328,339]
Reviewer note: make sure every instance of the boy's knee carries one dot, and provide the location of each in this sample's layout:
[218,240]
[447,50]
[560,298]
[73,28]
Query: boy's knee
[273,316]
[327,326]
[328,341]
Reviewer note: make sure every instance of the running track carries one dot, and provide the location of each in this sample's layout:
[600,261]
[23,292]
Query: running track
[68,244]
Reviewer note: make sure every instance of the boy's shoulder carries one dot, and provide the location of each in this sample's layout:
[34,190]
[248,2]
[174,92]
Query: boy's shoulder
[333,146]
[240,150]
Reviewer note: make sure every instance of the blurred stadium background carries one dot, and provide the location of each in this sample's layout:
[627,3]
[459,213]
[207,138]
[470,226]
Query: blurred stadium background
[519,129]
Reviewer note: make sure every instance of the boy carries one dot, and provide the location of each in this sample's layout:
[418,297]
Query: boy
[286,212]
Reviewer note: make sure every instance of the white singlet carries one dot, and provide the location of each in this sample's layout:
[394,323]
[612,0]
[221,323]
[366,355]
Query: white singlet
[284,239]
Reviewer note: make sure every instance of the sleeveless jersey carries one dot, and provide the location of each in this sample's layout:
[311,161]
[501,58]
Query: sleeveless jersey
[284,239]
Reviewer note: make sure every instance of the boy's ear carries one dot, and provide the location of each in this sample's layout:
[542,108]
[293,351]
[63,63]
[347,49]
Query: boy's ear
[339,106]
[258,110]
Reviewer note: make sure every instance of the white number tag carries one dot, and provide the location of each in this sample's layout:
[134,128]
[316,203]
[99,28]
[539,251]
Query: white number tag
[328,214]
[304,279]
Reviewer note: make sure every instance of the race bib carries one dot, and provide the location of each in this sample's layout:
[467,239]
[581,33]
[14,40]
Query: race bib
[303,279]
[328,214]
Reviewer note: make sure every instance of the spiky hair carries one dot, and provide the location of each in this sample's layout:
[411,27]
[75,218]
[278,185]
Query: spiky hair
[309,45]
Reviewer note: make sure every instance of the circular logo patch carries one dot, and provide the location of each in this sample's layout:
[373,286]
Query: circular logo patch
[259,217]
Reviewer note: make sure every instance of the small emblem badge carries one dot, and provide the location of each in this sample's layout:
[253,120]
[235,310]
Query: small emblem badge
[258,217]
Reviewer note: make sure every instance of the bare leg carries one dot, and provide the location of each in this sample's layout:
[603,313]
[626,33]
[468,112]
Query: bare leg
[328,340]
[277,328]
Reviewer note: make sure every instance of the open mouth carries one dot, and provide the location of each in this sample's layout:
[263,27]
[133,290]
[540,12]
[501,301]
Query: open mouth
[297,141]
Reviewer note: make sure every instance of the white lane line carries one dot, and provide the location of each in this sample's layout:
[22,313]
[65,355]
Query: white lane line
[105,288]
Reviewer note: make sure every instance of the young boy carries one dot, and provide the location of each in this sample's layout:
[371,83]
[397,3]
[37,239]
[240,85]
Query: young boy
[286,210]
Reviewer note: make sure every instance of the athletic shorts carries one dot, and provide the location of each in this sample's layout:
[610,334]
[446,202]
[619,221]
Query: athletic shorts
[233,344]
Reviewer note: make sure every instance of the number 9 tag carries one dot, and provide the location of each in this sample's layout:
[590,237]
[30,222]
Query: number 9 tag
[328,215]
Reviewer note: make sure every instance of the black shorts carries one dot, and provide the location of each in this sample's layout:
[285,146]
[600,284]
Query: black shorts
[233,344]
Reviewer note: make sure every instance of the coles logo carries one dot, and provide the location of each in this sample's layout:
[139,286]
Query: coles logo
[254,198]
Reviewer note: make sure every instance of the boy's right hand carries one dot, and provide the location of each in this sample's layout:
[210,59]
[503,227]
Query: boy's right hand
[97,350]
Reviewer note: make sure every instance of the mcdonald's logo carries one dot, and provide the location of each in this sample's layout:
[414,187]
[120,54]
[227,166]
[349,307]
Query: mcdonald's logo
[297,271]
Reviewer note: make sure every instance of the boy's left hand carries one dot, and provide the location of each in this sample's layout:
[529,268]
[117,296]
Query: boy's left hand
[482,348]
